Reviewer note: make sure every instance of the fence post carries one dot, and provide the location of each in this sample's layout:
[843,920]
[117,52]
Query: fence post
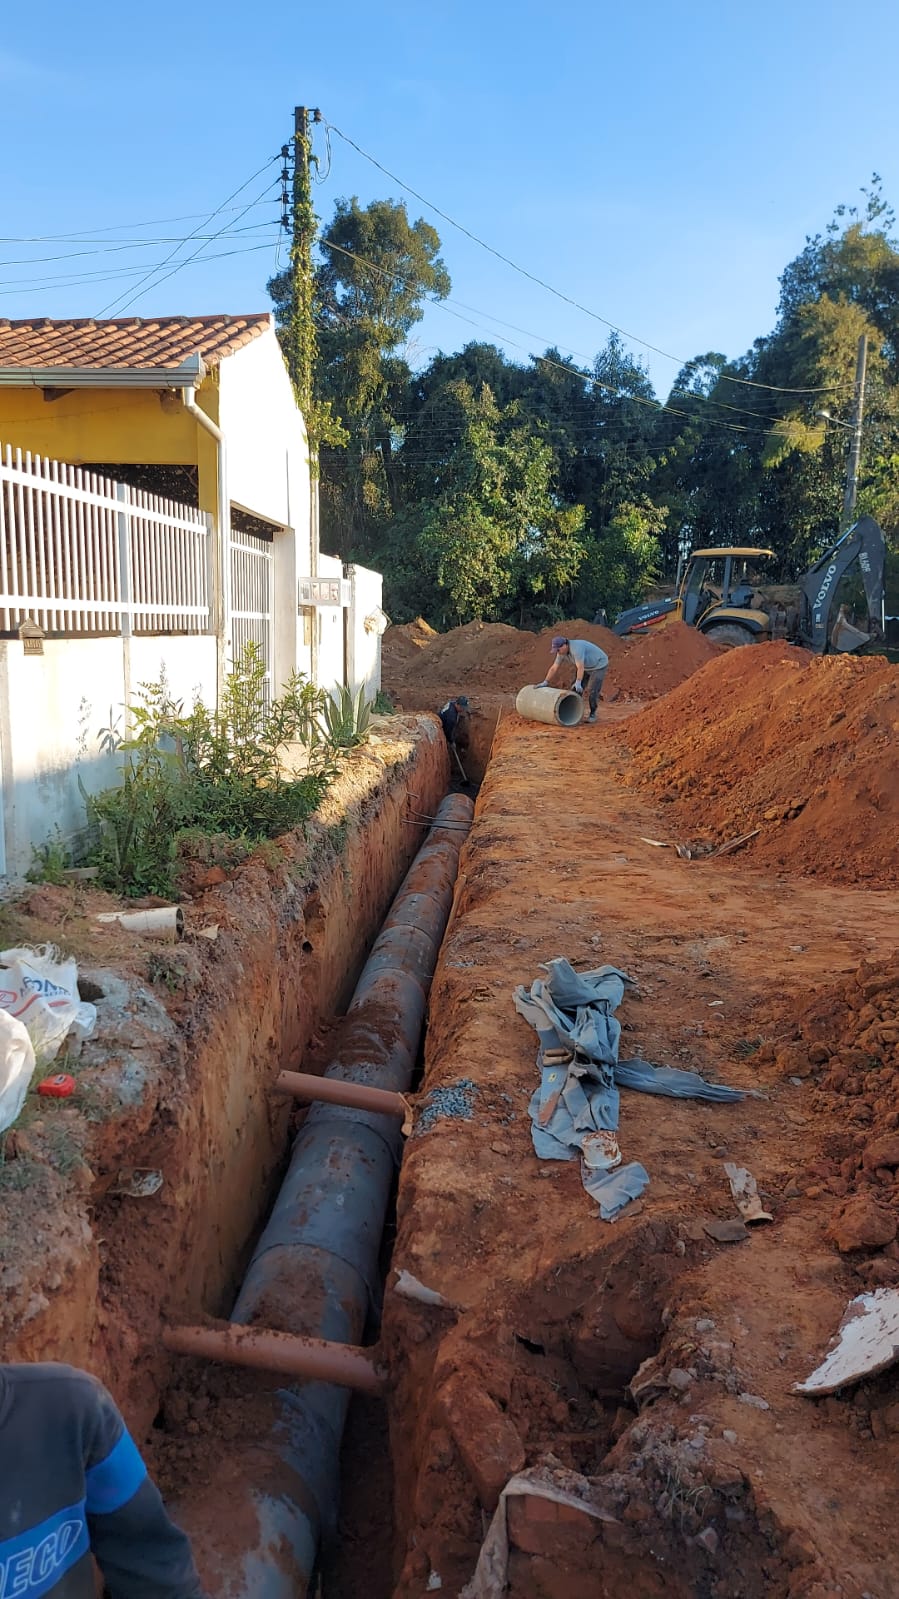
[126,581]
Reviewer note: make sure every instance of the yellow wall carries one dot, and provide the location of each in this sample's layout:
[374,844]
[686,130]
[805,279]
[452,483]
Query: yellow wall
[134,426]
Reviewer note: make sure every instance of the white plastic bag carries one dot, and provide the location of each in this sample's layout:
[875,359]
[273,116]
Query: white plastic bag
[41,990]
[16,1068]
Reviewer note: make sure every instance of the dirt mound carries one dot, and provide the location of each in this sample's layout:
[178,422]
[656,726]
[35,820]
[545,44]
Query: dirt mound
[804,749]
[494,656]
[846,1036]
[403,643]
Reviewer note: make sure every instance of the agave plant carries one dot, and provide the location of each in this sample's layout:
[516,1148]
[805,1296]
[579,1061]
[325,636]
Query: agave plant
[346,717]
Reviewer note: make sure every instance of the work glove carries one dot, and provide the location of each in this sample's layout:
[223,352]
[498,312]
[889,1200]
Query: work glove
[544,684]
[578,688]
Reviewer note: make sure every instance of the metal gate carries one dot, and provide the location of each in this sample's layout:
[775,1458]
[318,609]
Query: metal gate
[252,565]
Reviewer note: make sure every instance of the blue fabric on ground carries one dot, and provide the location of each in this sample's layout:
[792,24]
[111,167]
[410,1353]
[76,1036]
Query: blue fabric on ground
[612,1190]
[574,1012]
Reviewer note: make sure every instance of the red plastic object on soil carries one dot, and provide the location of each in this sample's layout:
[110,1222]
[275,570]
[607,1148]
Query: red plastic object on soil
[59,1087]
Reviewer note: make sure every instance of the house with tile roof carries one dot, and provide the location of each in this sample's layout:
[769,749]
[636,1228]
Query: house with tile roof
[155,513]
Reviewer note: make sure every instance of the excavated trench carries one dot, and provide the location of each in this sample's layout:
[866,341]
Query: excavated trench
[636,1379]
[639,1375]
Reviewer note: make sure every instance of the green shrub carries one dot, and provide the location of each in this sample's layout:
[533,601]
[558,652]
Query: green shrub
[346,719]
[209,773]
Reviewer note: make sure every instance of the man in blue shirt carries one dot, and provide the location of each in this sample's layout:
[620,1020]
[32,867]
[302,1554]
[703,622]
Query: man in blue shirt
[73,1485]
[590,664]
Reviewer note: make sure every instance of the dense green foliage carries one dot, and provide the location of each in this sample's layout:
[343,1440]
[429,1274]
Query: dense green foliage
[482,487]
[194,776]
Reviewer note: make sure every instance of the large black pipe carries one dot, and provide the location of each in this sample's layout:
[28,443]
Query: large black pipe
[315,1269]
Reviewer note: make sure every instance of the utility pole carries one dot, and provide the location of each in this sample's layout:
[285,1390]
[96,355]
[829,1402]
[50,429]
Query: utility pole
[855,447]
[301,344]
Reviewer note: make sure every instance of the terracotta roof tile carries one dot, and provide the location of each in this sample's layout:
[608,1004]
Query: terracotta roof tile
[139,342]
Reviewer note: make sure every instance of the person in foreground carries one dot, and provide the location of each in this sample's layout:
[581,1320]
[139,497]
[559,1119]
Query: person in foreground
[73,1485]
[590,664]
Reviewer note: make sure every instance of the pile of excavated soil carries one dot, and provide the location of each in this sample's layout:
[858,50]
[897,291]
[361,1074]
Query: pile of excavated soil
[498,658]
[846,1037]
[804,749]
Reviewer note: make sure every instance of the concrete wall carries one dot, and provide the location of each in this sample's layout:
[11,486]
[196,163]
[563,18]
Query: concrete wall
[363,636]
[268,457]
[52,707]
[330,622]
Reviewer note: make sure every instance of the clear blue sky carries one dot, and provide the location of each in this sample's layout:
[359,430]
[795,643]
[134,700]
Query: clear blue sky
[659,163]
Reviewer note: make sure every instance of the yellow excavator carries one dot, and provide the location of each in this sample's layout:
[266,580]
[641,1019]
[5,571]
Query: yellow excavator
[721,593]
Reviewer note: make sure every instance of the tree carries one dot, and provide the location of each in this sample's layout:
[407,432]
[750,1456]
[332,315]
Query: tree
[493,534]
[375,271]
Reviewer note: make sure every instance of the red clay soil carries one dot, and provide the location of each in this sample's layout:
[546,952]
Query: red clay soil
[845,1039]
[713,1478]
[769,737]
[501,659]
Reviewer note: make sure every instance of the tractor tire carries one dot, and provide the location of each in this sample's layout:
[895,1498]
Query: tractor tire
[730,635]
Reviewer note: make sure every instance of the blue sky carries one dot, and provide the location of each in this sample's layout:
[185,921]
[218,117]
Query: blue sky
[659,163]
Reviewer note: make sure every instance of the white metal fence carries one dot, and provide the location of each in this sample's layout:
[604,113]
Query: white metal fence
[82,554]
[252,568]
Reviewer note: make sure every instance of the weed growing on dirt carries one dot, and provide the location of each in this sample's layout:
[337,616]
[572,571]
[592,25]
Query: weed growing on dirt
[17,1175]
[64,1144]
[214,773]
[50,861]
[383,704]
[166,971]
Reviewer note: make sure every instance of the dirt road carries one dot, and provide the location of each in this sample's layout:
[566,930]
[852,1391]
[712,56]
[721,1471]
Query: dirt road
[726,1483]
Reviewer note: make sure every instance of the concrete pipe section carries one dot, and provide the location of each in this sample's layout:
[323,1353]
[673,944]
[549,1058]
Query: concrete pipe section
[314,1273]
[557,705]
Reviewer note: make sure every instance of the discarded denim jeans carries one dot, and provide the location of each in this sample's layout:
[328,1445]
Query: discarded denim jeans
[573,1015]
[613,1190]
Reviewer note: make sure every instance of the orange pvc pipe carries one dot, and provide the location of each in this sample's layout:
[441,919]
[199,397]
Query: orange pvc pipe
[336,1091]
[312,1359]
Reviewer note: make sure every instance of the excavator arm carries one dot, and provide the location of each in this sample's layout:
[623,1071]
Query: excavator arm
[864,543]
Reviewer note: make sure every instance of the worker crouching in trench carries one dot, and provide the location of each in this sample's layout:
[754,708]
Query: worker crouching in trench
[455,721]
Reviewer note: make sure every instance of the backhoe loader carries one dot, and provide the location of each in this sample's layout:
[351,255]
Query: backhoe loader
[721,593]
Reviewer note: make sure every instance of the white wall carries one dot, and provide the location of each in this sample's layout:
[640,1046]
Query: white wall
[329,619]
[52,707]
[268,457]
[268,474]
[363,645]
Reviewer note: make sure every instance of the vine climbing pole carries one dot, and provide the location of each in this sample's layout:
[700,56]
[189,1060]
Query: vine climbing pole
[302,346]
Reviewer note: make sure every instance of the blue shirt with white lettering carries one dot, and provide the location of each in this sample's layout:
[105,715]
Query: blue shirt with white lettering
[73,1484]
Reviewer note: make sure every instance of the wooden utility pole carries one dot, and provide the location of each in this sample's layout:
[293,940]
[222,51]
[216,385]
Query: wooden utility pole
[855,448]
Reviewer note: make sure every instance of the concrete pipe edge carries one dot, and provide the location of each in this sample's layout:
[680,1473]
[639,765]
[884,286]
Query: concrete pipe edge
[557,706]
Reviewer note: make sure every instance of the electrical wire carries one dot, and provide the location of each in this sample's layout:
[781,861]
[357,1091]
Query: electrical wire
[654,405]
[48,286]
[550,289]
[118,301]
[112,227]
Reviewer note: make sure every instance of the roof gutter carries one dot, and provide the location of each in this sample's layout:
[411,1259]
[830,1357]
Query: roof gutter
[188,375]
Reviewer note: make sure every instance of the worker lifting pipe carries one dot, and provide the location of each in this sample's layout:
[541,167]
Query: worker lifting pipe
[314,1272]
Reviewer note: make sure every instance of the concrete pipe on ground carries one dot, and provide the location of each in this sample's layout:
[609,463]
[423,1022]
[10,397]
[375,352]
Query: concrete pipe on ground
[557,705]
[315,1270]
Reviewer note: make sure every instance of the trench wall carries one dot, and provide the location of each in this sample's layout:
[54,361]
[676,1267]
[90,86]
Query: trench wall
[186,1068]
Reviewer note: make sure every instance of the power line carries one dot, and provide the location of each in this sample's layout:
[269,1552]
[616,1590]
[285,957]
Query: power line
[50,285]
[654,405]
[123,247]
[523,271]
[122,302]
[113,227]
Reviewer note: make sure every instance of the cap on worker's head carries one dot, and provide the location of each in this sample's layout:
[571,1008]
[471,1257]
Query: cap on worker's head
[558,643]
[462,699]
